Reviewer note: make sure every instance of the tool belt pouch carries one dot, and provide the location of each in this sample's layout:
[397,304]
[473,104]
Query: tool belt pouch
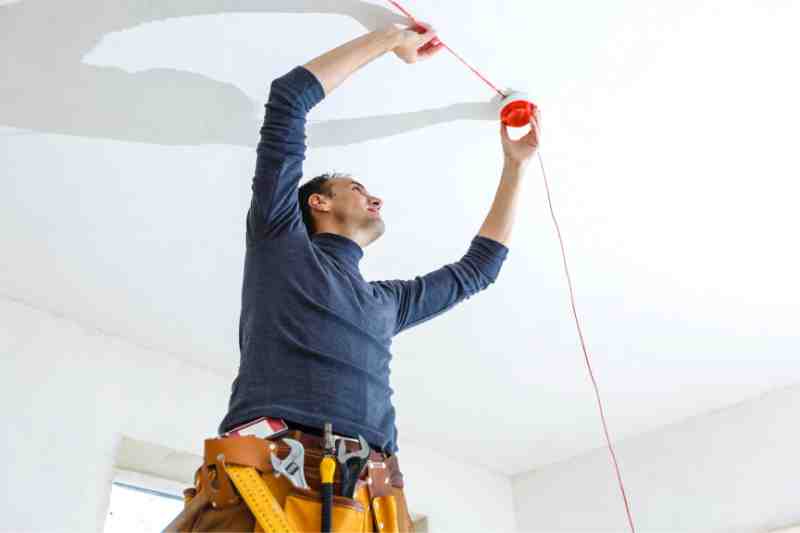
[385,510]
[304,510]
[385,481]
[214,504]
[201,513]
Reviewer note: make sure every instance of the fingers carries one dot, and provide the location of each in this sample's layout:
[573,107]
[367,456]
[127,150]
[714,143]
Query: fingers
[427,42]
[532,136]
[429,51]
[536,127]
[422,27]
[504,132]
[426,32]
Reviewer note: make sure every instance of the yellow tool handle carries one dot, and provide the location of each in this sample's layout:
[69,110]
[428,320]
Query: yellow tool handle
[327,468]
[260,499]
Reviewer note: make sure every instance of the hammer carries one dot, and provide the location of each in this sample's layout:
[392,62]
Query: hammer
[327,467]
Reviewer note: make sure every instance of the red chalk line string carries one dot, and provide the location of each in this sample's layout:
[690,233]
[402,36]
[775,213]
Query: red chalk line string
[481,76]
[583,343]
[569,284]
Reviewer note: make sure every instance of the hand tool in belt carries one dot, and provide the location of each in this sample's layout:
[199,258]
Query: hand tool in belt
[292,465]
[352,465]
[326,470]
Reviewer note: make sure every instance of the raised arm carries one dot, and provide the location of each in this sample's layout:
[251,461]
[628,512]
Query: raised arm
[281,152]
[427,296]
[282,148]
[424,297]
[516,156]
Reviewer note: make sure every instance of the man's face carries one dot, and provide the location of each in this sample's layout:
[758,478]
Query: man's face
[354,207]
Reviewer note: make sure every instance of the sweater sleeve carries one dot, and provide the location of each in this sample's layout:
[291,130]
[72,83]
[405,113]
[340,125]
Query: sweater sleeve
[427,296]
[281,151]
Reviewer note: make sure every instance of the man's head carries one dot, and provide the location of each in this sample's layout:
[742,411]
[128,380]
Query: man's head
[337,203]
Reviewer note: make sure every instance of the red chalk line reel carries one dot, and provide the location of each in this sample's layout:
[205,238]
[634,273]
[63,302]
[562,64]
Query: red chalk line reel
[517,109]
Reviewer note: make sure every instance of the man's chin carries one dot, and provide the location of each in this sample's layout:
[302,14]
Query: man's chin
[381,228]
[378,229]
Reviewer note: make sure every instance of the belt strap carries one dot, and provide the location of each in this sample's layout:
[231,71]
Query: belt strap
[247,451]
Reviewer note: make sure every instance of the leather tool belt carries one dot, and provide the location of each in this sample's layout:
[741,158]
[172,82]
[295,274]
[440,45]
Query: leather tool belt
[237,490]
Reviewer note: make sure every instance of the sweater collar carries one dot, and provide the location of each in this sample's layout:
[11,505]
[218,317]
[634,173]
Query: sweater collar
[343,248]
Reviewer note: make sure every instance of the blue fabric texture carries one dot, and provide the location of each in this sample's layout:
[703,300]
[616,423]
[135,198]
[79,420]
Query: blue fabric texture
[314,336]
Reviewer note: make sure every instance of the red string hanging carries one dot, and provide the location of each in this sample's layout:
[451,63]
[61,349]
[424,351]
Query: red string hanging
[518,112]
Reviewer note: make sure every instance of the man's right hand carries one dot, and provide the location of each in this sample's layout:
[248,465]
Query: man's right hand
[520,152]
[411,41]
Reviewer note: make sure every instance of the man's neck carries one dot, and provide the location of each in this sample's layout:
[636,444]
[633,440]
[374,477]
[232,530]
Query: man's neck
[357,237]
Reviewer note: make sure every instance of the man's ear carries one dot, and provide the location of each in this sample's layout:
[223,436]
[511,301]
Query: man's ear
[319,202]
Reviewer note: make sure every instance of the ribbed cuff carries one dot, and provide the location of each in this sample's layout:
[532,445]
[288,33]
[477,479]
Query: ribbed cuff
[489,255]
[498,248]
[304,86]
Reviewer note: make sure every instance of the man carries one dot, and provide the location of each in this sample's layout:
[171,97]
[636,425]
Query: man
[314,335]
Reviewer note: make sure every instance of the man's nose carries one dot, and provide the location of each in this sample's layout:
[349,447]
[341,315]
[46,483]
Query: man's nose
[376,202]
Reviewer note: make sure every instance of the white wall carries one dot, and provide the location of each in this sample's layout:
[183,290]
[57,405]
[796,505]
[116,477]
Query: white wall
[71,393]
[737,469]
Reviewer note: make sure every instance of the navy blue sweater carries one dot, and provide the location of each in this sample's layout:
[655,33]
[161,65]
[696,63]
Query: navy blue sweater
[314,336]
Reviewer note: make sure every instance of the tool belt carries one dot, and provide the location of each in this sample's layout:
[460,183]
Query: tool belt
[236,489]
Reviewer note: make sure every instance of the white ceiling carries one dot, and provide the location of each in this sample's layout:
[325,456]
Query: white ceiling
[670,134]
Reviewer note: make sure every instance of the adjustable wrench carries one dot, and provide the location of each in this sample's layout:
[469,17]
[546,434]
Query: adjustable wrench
[292,465]
[352,465]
